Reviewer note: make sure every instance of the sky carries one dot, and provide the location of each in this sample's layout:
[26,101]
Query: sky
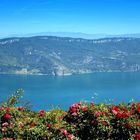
[86,16]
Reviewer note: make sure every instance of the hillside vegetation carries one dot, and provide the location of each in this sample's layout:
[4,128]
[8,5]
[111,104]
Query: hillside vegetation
[63,56]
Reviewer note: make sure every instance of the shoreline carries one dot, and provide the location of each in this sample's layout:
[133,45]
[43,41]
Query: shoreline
[65,75]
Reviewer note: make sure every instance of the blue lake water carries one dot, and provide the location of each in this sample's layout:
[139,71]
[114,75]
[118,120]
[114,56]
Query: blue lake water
[44,91]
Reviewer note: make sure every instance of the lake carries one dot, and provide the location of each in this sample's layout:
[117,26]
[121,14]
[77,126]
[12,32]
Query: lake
[44,91]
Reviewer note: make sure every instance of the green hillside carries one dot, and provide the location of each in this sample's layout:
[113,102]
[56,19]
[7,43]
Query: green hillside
[63,55]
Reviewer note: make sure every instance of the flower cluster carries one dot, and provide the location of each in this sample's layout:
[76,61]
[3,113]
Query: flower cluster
[83,121]
[75,108]
[105,121]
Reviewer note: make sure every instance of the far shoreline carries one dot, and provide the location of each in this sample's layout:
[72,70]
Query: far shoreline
[66,75]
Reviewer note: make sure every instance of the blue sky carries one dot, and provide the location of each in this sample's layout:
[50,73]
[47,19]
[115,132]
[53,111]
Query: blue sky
[87,16]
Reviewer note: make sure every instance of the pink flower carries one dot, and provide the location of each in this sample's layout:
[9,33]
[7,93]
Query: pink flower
[20,108]
[74,110]
[5,124]
[103,112]
[133,105]
[1,108]
[49,125]
[74,114]
[114,108]
[128,125]
[97,114]
[114,112]
[11,124]
[74,106]
[7,116]
[104,123]
[92,103]
[94,122]
[131,112]
[138,109]
[2,129]
[137,136]
[70,137]
[33,124]
[122,115]
[80,103]
[85,108]
[119,115]
[42,111]
[7,109]
[64,131]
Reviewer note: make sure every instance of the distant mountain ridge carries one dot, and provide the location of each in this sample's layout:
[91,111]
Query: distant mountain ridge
[53,55]
[76,35]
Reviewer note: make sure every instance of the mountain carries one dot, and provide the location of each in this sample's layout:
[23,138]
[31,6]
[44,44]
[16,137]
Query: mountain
[84,35]
[71,34]
[64,55]
[62,34]
[76,35]
[126,35]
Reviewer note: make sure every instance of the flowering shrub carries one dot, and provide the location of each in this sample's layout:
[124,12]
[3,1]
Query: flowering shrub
[81,122]
[105,121]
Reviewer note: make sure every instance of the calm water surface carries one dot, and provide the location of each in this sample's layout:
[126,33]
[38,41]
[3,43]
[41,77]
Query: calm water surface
[44,91]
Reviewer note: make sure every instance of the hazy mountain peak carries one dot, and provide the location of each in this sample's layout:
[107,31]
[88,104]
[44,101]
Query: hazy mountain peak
[76,35]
